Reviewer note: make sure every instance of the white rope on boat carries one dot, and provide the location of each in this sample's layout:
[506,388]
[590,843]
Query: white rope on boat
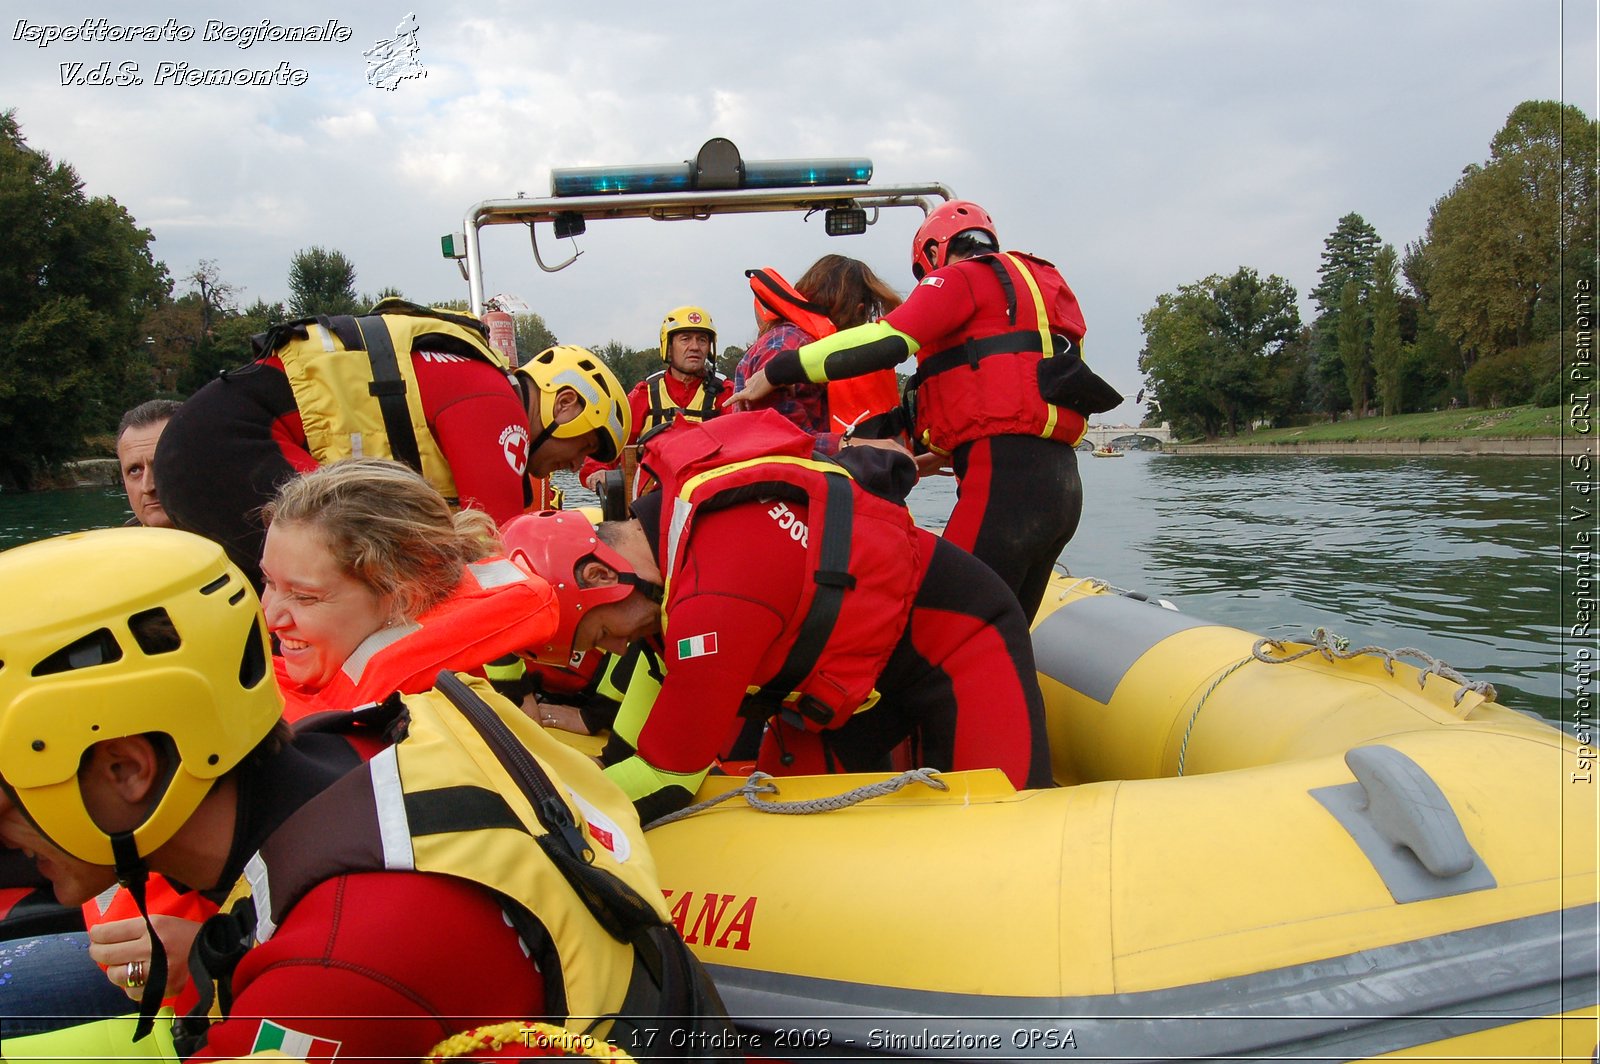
[1337,648]
[760,783]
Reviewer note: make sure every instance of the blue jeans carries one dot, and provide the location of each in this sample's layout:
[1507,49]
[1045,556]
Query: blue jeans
[48,982]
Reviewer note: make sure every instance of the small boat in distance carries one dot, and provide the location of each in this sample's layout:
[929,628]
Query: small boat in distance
[1107,451]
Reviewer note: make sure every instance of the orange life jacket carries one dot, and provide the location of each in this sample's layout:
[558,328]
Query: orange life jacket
[851,401]
[497,609]
[546,496]
[985,380]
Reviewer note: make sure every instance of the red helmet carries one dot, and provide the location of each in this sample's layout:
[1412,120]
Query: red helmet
[552,544]
[931,246]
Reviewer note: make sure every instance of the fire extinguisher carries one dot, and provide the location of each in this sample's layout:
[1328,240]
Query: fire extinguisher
[502,334]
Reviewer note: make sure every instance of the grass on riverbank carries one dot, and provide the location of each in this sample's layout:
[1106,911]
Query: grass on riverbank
[1469,423]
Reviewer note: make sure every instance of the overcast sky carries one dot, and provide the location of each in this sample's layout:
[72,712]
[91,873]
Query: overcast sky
[1140,145]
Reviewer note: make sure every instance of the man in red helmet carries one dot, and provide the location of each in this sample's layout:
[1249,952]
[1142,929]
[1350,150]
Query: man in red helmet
[940,654]
[688,384]
[1000,388]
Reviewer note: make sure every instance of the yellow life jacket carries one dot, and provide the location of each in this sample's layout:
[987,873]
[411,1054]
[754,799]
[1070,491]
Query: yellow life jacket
[661,410]
[609,952]
[356,388]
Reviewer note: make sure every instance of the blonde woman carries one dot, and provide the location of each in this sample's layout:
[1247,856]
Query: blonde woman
[371,585]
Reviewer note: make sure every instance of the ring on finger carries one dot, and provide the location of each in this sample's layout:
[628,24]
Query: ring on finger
[135,975]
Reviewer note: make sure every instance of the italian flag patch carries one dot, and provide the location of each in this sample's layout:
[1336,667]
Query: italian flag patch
[697,646]
[292,1043]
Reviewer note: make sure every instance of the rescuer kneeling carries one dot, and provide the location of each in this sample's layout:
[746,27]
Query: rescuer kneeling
[787,577]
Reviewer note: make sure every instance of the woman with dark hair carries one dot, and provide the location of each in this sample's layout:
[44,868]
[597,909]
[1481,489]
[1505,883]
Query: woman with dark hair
[836,293]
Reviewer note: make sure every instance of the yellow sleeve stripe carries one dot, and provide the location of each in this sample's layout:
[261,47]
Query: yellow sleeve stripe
[814,356]
[640,779]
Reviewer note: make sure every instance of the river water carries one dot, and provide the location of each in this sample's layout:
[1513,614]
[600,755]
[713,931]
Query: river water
[1455,556]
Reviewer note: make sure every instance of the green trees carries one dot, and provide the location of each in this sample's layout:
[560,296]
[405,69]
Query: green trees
[630,365]
[533,335]
[322,281]
[1387,356]
[1350,343]
[1214,350]
[1498,244]
[1481,315]
[1347,256]
[75,285]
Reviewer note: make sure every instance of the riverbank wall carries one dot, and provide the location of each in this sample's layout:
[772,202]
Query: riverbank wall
[91,472]
[1525,446]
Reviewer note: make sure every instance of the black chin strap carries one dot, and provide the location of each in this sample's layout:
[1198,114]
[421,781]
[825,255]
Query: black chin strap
[133,873]
[538,441]
[653,592]
[525,389]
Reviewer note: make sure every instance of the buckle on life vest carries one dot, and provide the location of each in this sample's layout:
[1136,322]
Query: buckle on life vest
[795,714]
[806,707]
[835,579]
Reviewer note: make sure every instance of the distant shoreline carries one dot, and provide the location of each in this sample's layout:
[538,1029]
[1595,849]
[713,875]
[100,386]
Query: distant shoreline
[1502,446]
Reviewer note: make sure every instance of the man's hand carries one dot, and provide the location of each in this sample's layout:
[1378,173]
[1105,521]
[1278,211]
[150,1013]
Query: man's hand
[120,944]
[596,481]
[755,389]
[883,445]
[933,465]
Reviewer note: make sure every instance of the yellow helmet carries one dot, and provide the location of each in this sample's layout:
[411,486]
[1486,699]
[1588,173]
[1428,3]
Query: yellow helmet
[121,632]
[605,402]
[684,319]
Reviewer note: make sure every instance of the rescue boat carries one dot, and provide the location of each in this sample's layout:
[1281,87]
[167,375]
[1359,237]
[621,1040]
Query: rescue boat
[1106,452]
[1257,850]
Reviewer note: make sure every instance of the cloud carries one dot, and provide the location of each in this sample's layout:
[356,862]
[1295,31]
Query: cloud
[1141,145]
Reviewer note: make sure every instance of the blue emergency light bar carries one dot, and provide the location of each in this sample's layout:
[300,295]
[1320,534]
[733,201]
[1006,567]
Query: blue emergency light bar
[684,177]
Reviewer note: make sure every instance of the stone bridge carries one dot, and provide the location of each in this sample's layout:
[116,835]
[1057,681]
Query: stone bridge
[1128,435]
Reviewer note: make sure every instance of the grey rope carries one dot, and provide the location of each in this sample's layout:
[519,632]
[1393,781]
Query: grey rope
[1337,648]
[1333,647]
[1183,750]
[760,783]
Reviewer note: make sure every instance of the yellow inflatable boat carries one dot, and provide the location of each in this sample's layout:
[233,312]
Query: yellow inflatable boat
[1257,852]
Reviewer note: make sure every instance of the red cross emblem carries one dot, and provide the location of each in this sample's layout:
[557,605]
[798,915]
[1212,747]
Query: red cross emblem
[694,317]
[514,445]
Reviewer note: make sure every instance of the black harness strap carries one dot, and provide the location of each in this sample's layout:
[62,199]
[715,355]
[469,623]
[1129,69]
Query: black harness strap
[973,351]
[663,410]
[1007,343]
[221,944]
[1003,275]
[833,580]
[708,394]
[389,388]
[134,873]
[465,808]
[617,907]
[344,329]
